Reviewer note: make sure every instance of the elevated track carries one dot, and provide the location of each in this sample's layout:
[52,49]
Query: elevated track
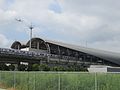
[16,56]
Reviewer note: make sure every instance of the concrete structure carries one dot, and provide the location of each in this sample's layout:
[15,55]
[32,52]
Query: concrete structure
[103,68]
[58,52]
[98,68]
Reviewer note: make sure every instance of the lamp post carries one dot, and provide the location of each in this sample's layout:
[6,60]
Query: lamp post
[31,29]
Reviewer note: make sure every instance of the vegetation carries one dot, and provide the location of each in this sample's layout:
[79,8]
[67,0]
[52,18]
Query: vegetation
[60,81]
[4,67]
[42,67]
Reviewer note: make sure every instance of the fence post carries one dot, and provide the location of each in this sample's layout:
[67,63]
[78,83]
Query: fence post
[95,81]
[28,80]
[0,75]
[14,77]
[34,81]
[59,81]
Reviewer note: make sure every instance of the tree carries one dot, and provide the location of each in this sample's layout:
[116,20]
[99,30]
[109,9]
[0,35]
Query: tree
[4,67]
[44,67]
[57,68]
[22,67]
[11,67]
[35,67]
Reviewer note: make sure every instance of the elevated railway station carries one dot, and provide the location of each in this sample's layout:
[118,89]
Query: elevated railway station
[65,53]
[56,53]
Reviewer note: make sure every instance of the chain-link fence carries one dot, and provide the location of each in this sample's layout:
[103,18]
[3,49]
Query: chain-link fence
[59,80]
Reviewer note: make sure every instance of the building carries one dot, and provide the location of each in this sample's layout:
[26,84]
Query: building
[103,68]
[62,53]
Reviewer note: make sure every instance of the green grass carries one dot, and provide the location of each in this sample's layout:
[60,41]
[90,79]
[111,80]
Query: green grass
[60,81]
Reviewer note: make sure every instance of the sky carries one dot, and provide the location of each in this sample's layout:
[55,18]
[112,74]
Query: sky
[88,23]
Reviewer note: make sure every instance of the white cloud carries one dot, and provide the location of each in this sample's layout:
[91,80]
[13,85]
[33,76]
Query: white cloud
[93,21]
[1,3]
[6,16]
[3,41]
[112,45]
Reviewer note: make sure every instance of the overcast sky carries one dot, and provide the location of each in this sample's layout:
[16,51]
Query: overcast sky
[96,22]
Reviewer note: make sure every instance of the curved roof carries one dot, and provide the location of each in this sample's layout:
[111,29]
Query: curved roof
[35,39]
[15,43]
[107,55]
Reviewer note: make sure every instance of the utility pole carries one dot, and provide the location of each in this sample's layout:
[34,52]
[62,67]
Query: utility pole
[86,44]
[31,30]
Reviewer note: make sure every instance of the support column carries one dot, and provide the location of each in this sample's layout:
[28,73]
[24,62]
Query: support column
[76,56]
[29,66]
[18,47]
[40,63]
[48,56]
[68,54]
[16,66]
[84,58]
[38,45]
[59,53]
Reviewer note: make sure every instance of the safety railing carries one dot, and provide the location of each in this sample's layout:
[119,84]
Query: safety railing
[59,80]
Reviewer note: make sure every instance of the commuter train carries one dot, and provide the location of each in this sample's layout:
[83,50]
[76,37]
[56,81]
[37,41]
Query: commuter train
[22,53]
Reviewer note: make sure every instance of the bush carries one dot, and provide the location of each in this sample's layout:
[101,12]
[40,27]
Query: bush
[22,67]
[4,67]
[44,67]
[57,68]
[11,67]
[35,67]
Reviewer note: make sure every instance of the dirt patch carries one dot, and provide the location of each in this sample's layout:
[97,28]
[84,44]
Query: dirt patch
[2,86]
[10,89]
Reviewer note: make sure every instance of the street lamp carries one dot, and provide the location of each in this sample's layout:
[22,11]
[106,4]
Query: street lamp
[31,29]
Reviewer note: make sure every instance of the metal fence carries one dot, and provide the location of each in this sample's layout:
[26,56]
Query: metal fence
[59,80]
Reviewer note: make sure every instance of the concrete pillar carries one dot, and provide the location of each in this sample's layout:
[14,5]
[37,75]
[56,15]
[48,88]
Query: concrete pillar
[48,58]
[59,52]
[91,59]
[49,52]
[18,47]
[29,66]
[38,45]
[68,54]
[16,67]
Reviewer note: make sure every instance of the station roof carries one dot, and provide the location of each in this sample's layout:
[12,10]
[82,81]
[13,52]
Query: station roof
[107,55]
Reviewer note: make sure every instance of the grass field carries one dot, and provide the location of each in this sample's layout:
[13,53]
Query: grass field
[60,81]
